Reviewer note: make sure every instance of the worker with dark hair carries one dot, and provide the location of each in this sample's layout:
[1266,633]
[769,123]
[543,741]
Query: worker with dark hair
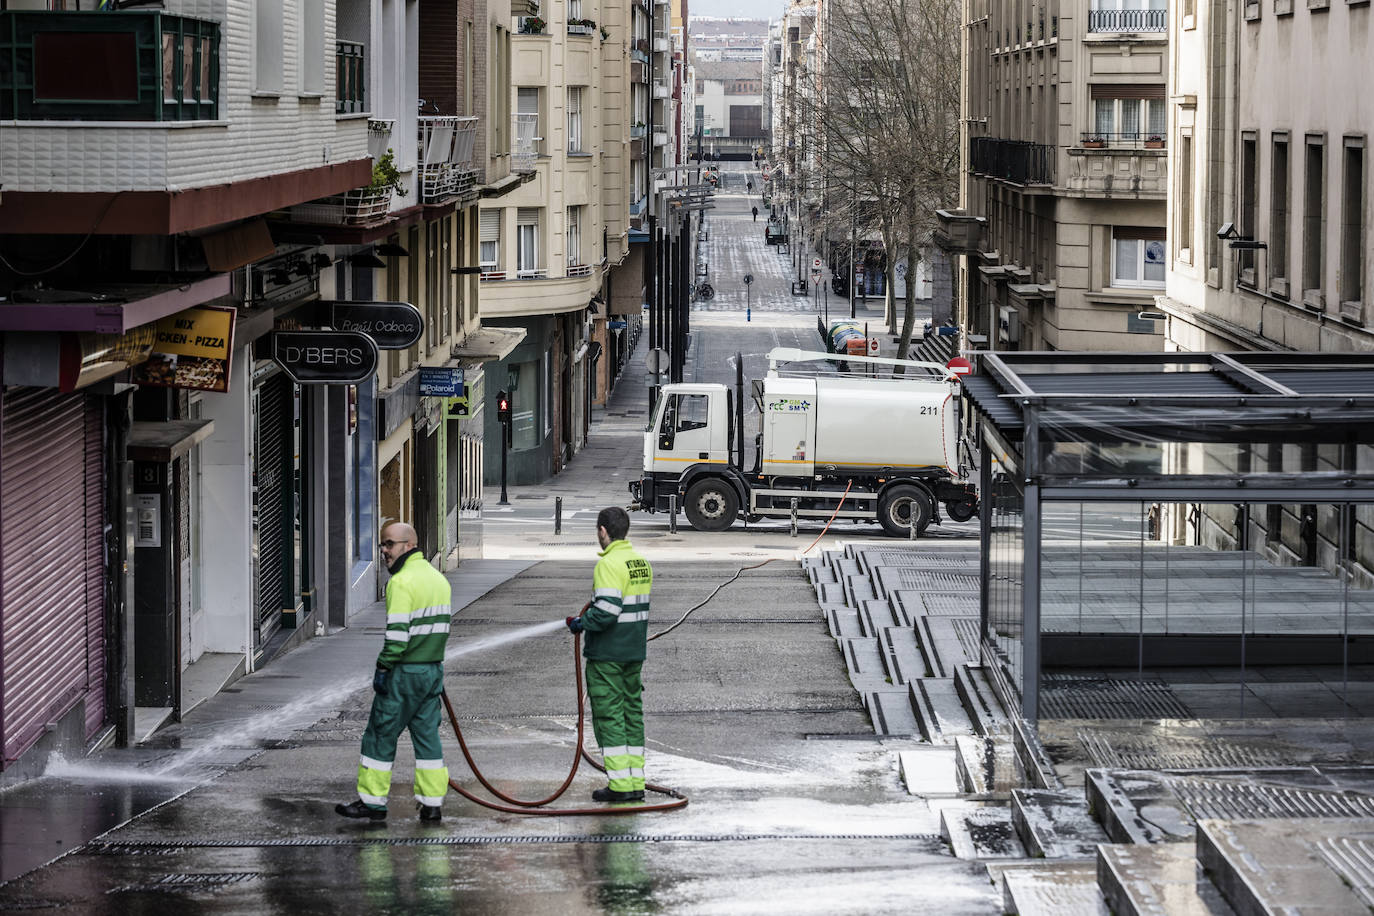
[616,624]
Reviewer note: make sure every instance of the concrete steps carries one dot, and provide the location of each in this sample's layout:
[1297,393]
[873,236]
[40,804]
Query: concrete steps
[1161,880]
[865,663]
[901,654]
[891,712]
[980,832]
[980,700]
[986,765]
[1055,825]
[1053,889]
[939,714]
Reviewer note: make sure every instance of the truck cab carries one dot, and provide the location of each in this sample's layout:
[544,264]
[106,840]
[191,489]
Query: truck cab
[691,425]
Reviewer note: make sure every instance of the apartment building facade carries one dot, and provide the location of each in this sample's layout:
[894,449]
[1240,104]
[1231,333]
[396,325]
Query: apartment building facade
[1061,232]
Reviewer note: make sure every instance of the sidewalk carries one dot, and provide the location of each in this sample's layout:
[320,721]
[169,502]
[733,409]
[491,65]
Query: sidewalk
[76,801]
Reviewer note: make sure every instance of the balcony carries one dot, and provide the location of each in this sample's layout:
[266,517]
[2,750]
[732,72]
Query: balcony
[134,66]
[1017,161]
[582,27]
[579,270]
[1128,20]
[660,138]
[1133,140]
[637,131]
[661,89]
[446,167]
[525,151]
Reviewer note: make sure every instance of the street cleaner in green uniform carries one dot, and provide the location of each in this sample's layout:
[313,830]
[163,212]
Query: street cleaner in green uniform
[409,681]
[616,628]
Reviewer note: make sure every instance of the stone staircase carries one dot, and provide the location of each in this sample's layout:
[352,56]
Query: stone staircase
[1231,832]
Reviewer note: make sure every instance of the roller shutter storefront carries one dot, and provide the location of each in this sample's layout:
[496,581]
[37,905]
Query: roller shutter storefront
[52,579]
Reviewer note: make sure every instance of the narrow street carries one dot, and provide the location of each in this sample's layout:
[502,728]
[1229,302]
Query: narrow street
[796,805]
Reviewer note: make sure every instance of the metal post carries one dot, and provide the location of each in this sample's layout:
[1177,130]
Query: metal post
[853,231]
[672,513]
[504,439]
[558,515]
[794,516]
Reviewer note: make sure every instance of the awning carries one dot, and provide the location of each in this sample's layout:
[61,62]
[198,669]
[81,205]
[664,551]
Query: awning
[489,343]
[166,440]
[112,310]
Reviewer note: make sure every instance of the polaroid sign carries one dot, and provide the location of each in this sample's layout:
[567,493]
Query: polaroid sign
[325,357]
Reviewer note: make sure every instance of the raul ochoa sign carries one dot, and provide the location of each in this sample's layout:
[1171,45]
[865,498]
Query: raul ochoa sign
[325,357]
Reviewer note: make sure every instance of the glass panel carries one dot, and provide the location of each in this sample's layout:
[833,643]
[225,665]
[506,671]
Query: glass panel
[1130,117]
[169,66]
[1154,261]
[1006,613]
[1155,116]
[524,402]
[1104,115]
[1127,251]
[188,67]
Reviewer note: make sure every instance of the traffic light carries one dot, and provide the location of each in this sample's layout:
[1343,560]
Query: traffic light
[503,413]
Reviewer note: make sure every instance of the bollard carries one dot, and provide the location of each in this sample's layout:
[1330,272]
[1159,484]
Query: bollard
[558,515]
[672,513]
[794,516]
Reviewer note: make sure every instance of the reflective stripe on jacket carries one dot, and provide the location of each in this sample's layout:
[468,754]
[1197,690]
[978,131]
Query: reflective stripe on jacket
[417,614]
[617,622]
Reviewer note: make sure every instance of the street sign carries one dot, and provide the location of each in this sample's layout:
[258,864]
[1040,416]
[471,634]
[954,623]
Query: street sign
[440,382]
[394,325]
[325,357]
[960,366]
[748,278]
[815,263]
[656,361]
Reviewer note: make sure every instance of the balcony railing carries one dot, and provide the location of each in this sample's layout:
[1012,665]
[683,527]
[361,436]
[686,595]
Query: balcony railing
[351,92]
[446,168]
[524,151]
[93,66]
[579,270]
[1133,140]
[1017,161]
[1128,20]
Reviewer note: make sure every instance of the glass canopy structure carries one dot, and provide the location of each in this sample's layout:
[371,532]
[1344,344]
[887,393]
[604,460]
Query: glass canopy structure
[1177,535]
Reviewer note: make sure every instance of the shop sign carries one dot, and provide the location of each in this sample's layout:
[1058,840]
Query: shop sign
[325,357]
[191,349]
[393,325]
[439,382]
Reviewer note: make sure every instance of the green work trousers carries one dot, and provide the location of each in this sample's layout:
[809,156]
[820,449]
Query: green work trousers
[411,701]
[617,699]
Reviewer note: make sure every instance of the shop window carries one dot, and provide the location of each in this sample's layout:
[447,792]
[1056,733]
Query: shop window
[524,402]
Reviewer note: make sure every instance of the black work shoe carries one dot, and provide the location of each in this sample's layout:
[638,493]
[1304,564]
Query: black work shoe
[430,812]
[613,795]
[356,808]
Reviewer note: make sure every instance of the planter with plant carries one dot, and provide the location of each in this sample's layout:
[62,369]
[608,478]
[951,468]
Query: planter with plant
[532,25]
[1154,141]
[365,204]
[1094,142]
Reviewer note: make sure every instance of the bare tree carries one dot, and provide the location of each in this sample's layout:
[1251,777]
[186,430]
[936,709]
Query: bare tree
[884,105]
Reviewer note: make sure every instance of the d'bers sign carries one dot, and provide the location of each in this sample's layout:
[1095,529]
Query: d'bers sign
[325,357]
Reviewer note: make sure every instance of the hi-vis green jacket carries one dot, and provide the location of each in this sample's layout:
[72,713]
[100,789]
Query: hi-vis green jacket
[417,614]
[617,623]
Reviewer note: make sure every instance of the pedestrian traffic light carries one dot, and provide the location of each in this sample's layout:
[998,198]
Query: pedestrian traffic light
[503,408]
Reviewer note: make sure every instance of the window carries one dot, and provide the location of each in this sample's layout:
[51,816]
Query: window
[1313,219]
[574,236]
[311,45]
[574,119]
[267,46]
[692,412]
[527,103]
[527,241]
[1249,190]
[524,401]
[1128,113]
[1352,227]
[1278,218]
[574,10]
[1128,16]
[1184,232]
[489,240]
[469,71]
[1138,257]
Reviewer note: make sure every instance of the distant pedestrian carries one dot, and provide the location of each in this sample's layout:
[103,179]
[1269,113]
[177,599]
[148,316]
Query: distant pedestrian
[756,214]
[616,623]
[409,681]
[749,185]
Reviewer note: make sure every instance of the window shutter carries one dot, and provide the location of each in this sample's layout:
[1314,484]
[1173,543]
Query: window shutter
[527,215]
[1122,91]
[489,228]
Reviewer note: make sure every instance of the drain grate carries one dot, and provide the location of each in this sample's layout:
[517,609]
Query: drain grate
[1235,800]
[950,605]
[966,628]
[1353,859]
[180,882]
[1175,753]
[1073,696]
[914,559]
[936,581]
[136,847]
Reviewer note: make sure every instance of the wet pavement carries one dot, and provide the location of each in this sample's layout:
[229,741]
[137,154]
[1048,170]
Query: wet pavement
[796,805]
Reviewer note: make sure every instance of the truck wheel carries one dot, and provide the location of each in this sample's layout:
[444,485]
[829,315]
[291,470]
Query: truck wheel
[711,505]
[902,506]
[961,510]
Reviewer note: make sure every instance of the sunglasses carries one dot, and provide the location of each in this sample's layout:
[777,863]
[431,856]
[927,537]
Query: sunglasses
[390,544]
